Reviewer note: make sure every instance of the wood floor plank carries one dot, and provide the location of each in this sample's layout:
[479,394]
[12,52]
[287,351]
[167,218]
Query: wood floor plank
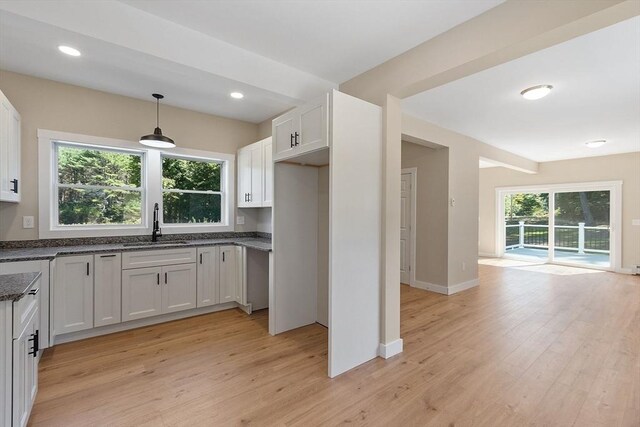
[531,346]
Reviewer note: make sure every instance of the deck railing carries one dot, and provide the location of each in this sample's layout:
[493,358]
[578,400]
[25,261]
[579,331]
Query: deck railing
[578,238]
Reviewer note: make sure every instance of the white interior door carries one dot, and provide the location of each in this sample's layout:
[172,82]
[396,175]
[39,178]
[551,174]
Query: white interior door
[406,212]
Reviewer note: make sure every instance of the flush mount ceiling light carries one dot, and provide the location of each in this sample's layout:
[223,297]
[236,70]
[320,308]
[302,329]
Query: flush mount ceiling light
[596,143]
[536,92]
[156,139]
[69,50]
[236,95]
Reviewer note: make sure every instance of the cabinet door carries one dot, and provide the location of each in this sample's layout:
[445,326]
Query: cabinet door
[107,293]
[25,372]
[244,177]
[283,129]
[208,289]
[141,293]
[314,125]
[73,294]
[255,195]
[267,177]
[10,185]
[179,288]
[228,273]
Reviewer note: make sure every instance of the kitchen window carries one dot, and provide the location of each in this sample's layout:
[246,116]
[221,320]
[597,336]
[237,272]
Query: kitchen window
[97,186]
[91,186]
[191,190]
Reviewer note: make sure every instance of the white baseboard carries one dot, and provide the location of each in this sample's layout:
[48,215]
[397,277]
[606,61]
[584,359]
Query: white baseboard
[487,255]
[104,330]
[463,286]
[447,290]
[431,287]
[389,350]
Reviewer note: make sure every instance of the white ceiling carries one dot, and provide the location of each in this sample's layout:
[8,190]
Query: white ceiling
[335,40]
[278,53]
[596,95]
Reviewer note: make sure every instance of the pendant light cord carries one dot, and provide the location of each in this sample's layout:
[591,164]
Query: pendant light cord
[157,112]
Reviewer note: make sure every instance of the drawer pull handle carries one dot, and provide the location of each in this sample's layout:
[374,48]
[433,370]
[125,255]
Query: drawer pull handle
[165,278]
[34,291]
[15,185]
[107,256]
[35,338]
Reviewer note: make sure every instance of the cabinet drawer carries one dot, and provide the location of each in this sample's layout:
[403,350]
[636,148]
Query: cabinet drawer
[24,308]
[159,257]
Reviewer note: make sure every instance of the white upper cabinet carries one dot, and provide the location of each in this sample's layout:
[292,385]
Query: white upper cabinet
[253,184]
[302,130]
[107,289]
[73,294]
[10,184]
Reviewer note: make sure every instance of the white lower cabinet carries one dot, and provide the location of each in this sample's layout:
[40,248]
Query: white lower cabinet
[208,279]
[152,291]
[107,298]
[25,371]
[179,289]
[141,293]
[73,294]
[228,274]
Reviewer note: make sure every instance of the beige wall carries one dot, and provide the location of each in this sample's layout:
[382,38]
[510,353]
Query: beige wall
[619,167]
[464,155]
[56,106]
[432,184]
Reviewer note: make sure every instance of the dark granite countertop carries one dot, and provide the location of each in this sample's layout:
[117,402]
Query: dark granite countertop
[14,286]
[49,253]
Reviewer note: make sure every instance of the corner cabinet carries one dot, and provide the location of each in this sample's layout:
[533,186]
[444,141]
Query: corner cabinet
[302,130]
[10,184]
[255,182]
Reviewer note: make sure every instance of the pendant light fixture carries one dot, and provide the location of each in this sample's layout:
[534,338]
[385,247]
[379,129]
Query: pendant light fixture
[157,139]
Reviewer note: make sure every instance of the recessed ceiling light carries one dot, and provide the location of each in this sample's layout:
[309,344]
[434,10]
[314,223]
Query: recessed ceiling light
[536,92]
[595,144]
[236,95]
[69,50]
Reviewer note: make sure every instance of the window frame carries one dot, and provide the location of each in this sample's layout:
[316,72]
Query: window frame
[151,188]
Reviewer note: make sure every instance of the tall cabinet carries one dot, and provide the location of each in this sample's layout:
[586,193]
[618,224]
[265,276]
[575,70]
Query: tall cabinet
[327,225]
[10,184]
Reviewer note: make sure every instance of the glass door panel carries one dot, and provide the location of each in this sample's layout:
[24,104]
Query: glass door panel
[526,219]
[582,228]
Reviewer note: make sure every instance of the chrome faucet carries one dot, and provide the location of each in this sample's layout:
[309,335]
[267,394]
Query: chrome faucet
[156,225]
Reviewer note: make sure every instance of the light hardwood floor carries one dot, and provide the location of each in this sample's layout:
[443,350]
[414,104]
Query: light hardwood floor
[533,345]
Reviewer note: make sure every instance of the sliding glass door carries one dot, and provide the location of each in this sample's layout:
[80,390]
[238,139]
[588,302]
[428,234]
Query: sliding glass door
[527,225]
[583,228]
[564,224]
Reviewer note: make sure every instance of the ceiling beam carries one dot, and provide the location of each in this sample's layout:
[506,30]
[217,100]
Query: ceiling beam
[511,30]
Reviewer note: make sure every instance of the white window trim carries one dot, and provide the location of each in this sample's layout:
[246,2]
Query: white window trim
[47,225]
[615,225]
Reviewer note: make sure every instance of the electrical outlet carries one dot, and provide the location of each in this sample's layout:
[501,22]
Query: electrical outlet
[240,220]
[28,222]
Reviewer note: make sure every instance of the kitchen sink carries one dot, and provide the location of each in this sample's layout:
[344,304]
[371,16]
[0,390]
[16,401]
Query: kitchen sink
[160,243]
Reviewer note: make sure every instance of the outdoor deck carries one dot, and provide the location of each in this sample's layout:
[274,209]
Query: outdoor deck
[541,254]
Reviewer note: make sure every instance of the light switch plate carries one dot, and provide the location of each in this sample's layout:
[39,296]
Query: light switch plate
[27,222]
[240,220]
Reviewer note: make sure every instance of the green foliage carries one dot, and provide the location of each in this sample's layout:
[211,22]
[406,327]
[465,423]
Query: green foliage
[201,176]
[535,207]
[98,168]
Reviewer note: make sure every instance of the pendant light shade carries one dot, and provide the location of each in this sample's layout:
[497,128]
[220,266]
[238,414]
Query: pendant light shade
[157,139]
